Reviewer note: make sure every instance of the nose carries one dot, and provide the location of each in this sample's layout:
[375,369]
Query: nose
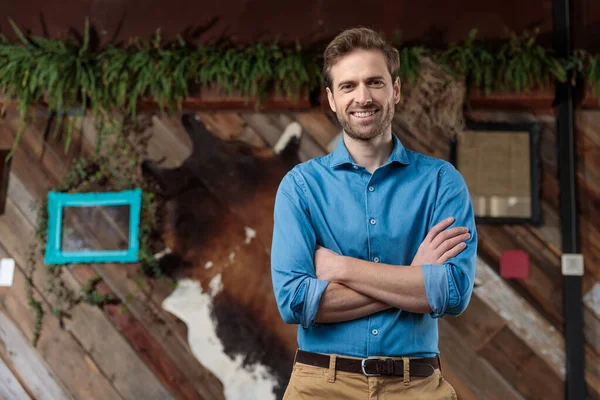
[363,95]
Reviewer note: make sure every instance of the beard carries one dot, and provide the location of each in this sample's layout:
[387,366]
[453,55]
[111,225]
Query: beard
[367,131]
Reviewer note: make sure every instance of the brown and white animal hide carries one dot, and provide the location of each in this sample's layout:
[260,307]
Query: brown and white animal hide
[219,221]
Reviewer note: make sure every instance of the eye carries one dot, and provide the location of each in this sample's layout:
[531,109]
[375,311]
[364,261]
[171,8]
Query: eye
[377,82]
[346,87]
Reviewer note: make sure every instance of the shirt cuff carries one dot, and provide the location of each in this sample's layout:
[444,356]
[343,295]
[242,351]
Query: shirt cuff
[440,288]
[305,304]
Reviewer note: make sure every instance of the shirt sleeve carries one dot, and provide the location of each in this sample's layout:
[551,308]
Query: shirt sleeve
[297,289]
[449,286]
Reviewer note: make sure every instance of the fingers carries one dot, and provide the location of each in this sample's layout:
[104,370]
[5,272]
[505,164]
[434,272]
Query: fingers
[448,234]
[456,250]
[438,228]
[450,243]
[441,243]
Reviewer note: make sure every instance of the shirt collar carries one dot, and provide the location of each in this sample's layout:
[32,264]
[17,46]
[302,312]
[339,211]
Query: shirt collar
[341,156]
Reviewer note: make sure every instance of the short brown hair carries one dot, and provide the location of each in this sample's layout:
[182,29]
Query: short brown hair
[358,38]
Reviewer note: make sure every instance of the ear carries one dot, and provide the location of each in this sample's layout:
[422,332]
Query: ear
[397,91]
[330,98]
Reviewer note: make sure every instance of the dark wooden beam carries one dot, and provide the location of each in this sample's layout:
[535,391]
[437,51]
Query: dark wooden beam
[567,173]
[4,173]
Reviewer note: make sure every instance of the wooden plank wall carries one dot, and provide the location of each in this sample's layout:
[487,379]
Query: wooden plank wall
[80,375]
[546,248]
[491,351]
[543,289]
[20,357]
[112,344]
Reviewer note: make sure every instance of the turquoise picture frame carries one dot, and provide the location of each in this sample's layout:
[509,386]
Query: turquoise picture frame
[58,200]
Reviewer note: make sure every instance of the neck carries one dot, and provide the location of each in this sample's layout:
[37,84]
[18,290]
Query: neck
[370,154]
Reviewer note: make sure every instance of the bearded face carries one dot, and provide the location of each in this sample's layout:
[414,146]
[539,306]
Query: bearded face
[363,95]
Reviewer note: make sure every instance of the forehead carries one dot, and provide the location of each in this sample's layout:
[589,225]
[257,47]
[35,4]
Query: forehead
[358,65]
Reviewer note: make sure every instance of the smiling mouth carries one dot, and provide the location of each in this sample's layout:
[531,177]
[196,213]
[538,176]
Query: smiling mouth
[364,114]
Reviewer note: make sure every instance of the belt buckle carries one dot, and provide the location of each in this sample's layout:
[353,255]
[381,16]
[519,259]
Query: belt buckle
[362,366]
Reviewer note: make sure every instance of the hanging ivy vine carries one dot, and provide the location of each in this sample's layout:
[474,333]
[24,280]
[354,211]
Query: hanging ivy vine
[114,166]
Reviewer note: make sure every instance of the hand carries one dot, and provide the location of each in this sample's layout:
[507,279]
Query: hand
[326,264]
[440,245]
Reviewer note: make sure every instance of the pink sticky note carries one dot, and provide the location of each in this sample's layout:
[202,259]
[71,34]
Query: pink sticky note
[514,264]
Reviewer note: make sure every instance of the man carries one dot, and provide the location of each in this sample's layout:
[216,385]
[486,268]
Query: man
[364,257]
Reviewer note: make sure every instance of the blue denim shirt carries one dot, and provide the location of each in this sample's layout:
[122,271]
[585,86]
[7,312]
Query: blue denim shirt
[380,217]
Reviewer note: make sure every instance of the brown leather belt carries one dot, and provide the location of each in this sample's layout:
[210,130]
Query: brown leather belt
[422,367]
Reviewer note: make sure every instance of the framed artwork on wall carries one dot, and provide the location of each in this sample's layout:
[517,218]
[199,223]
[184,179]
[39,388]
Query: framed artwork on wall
[93,227]
[500,164]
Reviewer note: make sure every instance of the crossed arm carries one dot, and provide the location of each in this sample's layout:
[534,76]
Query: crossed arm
[359,288]
[340,303]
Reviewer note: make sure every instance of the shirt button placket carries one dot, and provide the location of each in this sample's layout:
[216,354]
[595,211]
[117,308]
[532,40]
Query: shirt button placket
[373,221]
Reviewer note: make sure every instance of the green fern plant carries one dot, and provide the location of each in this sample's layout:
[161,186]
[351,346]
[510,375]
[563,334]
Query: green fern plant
[294,70]
[144,70]
[410,63]
[255,70]
[589,66]
[68,75]
[470,61]
[410,59]
[522,64]
[57,72]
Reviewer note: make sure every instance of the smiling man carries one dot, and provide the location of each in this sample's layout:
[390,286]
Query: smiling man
[371,244]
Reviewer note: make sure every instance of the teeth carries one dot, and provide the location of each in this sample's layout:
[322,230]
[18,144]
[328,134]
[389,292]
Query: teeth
[364,114]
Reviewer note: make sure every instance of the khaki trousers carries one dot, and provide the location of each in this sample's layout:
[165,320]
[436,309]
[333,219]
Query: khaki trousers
[309,382]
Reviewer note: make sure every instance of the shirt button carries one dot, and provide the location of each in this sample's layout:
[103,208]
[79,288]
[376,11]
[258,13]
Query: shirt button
[375,332]
[373,221]
[356,167]
[376,259]
[371,188]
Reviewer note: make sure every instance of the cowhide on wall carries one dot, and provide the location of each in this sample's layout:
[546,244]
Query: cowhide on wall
[218,222]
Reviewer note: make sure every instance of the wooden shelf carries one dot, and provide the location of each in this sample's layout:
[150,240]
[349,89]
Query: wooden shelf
[212,100]
[539,101]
